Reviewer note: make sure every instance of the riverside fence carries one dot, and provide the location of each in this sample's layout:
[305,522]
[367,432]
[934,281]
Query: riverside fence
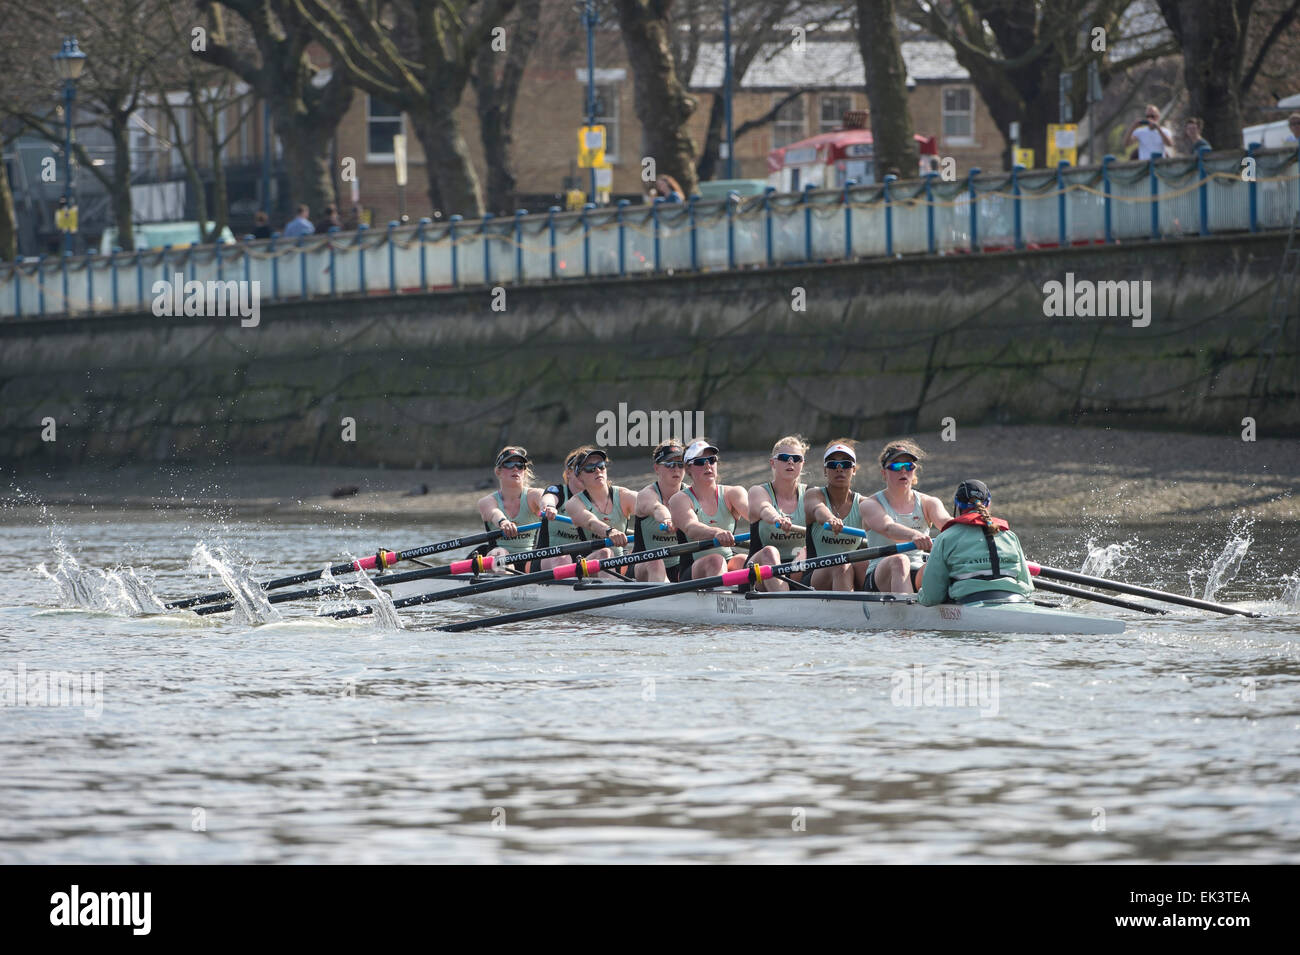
[1210,194]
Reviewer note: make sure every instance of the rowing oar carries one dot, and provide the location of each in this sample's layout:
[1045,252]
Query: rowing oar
[383,559]
[1079,592]
[477,564]
[580,569]
[732,578]
[1123,588]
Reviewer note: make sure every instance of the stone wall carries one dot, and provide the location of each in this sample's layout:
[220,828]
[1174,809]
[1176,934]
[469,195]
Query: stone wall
[882,347]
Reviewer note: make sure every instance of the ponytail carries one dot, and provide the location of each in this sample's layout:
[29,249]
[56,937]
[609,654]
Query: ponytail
[990,528]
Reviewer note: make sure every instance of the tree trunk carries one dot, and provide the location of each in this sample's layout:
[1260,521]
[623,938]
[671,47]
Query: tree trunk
[662,103]
[891,121]
[496,105]
[123,213]
[8,222]
[1212,39]
[710,160]
[447,161]
[305,137]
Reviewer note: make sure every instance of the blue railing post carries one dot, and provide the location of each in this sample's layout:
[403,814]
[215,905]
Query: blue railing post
[139,279]
[362,228]
[334,285]
[1204,191]
[163,266]
[622,242]
[1016,211]
[455,255]
[217,257]
[974,210]
[586,240]
[392,257]
[275,268]
[519,245]
[1155,201]
[113,266]
[40,284]
[848,219]
[1105,188]
[887,191]
[550,227]
[67,301]
[302,266]
[487,247]
[18,290]
[248,268]
[690,218]
[424,267]
[90,283]
[1252,190]
[1061,238]
[732,198]
[807,222]
[929,211]
[654,215]
[767,225]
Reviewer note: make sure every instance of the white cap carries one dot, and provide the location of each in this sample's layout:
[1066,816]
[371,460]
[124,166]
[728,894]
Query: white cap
[698,449]
[840,447]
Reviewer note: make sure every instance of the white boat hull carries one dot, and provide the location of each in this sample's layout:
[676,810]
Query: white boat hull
[797,610]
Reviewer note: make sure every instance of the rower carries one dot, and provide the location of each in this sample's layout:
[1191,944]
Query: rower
[654,526]
[600,510]
[707,510]
[514,503]
[776,508]
[559,532]
[899,514]
[839,505]
[976,557]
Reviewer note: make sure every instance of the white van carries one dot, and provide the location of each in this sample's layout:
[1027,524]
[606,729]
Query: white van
[154,235]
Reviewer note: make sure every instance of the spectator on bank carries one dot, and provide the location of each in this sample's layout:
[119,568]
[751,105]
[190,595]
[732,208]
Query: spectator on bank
[1293,123]
[1193,130]
[261,225]
[1150,136]
[667,188]
[300,225]
[331,220]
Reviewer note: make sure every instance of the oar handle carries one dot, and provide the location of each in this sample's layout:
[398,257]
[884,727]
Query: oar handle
[851,531]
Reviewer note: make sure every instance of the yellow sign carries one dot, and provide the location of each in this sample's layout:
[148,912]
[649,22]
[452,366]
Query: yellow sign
[591,147]
[574,200]
[604,183]
[65,220]
[1062,143]
[1024,157]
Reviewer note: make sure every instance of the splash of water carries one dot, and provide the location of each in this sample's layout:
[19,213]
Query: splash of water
[1105,561]
[1227,563]
[1291,591]
[251,604]
[118,590]
[383,613]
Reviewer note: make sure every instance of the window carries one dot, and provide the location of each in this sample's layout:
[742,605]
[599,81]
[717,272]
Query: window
[383,122]
[606,115]
[958,116]
[834,106]
[790,124]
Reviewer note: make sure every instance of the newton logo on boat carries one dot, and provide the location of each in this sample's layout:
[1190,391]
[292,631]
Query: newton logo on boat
[641,429]
[196,299]
[947,688]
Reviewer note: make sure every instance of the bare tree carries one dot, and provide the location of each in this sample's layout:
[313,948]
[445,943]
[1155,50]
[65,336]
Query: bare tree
[306,105]
[418,56]
[496,92]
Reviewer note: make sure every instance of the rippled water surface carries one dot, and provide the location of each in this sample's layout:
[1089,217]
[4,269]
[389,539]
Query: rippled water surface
[309,740]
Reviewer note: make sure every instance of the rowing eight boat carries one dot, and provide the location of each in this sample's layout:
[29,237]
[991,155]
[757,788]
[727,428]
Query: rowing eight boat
[800,609]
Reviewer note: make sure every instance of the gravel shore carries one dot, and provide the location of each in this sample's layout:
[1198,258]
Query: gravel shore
[1036,473]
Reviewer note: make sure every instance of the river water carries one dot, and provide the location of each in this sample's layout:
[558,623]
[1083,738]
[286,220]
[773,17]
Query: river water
[215,740]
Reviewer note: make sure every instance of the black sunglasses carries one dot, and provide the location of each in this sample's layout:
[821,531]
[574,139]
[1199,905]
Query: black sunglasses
[593,468]
[839,465]
[702,462]
[796,458]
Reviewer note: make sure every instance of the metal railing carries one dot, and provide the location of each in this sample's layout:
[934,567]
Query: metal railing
[1210,194]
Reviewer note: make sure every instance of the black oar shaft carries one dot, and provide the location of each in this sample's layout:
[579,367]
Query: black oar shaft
[1069,591]
[685,586]
[1057,573]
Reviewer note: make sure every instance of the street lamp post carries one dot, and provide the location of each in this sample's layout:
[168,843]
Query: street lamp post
[68,62]
[726,87]
[589,21]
